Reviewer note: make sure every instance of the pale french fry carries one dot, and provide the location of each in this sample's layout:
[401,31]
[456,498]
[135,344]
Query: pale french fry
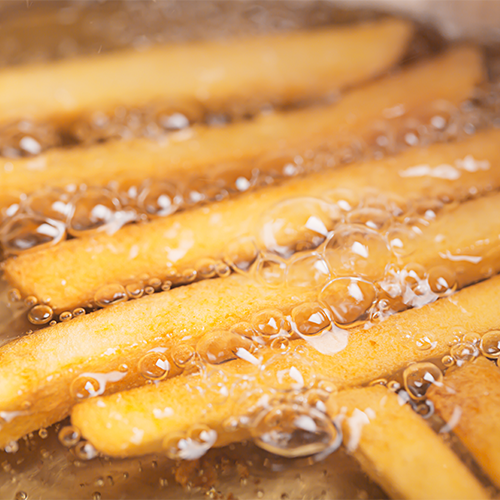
[399,450]
[469,401]
[369,355]
[282,68]
[415,91]
[70,274]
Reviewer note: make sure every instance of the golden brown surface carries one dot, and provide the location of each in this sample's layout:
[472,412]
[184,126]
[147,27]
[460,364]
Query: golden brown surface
[399,450]
[417,90]
[273,68]
[369,354]
[469,400]
[71,273]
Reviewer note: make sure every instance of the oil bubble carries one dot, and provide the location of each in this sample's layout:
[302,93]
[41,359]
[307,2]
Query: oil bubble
[84,387]
[271,271]
[69,436]
[50,203]
[349,300]
[182,354]
[447,361]
[374,218]
[65,316]
[40,314]
[25,232]
[269,322]
[219,346]
[294,431]
[110,294]
[222,270]
[310,319]
[353,250]
[93,209]
[15,295]
[206,268]
[309,270]
[79,311]
[154,366]
[442,280]
[85,451]
[241,254]
[159,198]
[490,344]
[419,377]
[464,352]
[297,224]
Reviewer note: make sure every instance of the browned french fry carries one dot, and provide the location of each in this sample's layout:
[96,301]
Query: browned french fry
[282,68]
[84,350]
[369,354]
[71,273]
[469,401]
[414,91]
[399,450]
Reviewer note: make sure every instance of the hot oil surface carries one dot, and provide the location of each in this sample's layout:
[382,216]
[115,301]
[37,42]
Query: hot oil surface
[372,224]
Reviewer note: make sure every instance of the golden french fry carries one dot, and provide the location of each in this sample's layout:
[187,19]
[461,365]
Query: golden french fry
[469,401]
[399,450]
[414,91]
[282,68]
[177,405]
[71,273]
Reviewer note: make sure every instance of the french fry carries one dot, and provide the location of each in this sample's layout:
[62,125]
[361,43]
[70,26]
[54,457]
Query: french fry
[369,355]
[415,91]
[70,274]
[399,450]
[469,401]
[282,68]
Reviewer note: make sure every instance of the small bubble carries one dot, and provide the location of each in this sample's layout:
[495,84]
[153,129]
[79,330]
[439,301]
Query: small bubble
[65,316]
[447,361]
[31,301]
[310,319]
[222,270]
[419,377]
[442,280]
[14,295]
[149,290]
[154,366]
[295,431]
[349,300]
[241,254]
[166,286]
[25,232]
[206,268]
[425,343]
[307,271]
[43,433]
[270,322]
[188,275]
[219,346]
[159,198]
[21,495]
[69,436]
[84,387]
[135,290]
[490,344]
[464,352]
[281,343]
[155,283]
[85,451]
[40,314]
[110,294]
[271,271]
[182,354]
[96,496]
[374,218]
[53,322]
[79,311]
[11,447]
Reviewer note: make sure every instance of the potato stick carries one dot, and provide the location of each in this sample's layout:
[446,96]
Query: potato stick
[414,91]
[70,273]
[399,450]
[469,401]
[369,354]
[284,68]
[103,341]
